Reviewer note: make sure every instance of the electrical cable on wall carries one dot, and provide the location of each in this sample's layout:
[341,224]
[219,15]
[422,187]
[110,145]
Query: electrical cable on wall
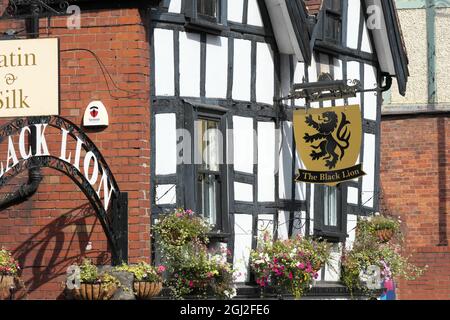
[105,72]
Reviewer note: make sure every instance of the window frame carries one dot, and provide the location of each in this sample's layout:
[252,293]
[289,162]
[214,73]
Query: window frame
[222,229]
[337,15]
[199,22]
[330,233]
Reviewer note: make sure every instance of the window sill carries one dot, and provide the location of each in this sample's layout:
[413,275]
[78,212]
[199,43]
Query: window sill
[330,236]
[218,236]
[205,26]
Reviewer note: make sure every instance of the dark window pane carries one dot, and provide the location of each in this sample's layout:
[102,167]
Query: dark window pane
[207,8]
[330,207]
[334,5]
[210,194]
[333,28]
[209,188]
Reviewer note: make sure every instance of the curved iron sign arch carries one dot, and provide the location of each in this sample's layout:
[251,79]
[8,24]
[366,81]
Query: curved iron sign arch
[112,212]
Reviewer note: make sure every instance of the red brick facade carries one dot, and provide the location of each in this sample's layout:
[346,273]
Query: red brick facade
[313,6]
[415,181]
[51,230]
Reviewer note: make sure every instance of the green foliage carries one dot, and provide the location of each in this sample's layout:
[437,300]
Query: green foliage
[289,264]
[192,270]
[368,251]
[380,222]
[181,227]
[8,265]
[89,274]
[143,271]
[108,281]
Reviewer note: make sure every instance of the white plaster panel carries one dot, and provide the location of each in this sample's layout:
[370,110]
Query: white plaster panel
[165,194]
[253,14]
[312,77]
[368,183]
[175,6]
[353,72]
[352,195]
[266,161]
[299,77]
[366,46]
[264,73]
[235,10]
[265,224]
[243,226]
[283,225]
[354,12]
[243,141]
[285,167]
[338,75]
[242,69]
[166,144]
[300,188]
[164,62]
[216,67]
[370,98]
[243,192]
[299,224]
[352,220]
[189,64]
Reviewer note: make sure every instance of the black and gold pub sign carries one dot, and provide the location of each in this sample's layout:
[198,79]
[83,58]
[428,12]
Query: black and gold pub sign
[329,142]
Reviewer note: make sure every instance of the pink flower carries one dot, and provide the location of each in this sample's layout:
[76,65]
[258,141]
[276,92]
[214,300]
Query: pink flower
[290,275]
[191,283]
[189,212]
[161,269]
[301,266]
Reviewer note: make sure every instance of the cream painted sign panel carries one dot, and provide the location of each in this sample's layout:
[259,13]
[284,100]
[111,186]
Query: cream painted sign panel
[29,77]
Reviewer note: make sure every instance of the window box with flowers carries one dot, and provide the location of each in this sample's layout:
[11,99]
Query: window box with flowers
[148,281]
[9,269]
[291,265]
[193,270]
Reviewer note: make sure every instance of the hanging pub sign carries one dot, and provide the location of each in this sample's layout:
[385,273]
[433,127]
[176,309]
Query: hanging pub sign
[329,142]
[29,79]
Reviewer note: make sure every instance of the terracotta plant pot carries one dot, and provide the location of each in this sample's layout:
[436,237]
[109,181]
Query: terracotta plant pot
[385,235]
[6,282]
[94,291]
[146,290]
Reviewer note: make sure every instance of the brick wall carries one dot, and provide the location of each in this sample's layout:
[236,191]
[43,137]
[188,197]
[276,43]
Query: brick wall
[415,180]
[313,6]
[51,230]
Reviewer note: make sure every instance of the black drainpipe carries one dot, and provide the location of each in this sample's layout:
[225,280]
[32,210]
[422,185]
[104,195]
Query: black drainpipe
[25,191]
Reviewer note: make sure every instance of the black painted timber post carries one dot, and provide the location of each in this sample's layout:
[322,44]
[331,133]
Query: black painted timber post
[120,228]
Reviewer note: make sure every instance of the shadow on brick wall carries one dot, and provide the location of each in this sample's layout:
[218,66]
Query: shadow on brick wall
[53,249]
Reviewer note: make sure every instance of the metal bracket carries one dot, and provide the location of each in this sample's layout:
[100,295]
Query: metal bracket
[327,89]
[24,9]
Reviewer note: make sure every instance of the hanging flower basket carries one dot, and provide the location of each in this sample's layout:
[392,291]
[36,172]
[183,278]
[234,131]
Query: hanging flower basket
[385,235]
[6,283]
[95,286]
[94,291]
[145,290]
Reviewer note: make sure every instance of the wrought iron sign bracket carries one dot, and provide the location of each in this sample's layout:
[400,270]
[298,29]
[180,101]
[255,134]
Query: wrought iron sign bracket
[25,9]
[328,89]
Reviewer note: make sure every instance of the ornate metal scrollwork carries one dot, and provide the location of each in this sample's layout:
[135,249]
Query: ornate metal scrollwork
[108,218]
[21,9]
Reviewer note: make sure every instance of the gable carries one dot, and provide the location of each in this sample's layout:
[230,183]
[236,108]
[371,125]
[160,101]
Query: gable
[289,19]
